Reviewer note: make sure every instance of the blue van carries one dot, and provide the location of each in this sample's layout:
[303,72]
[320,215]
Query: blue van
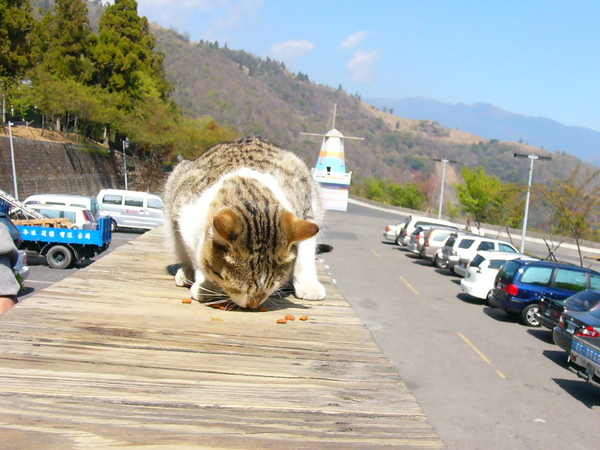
[521,284]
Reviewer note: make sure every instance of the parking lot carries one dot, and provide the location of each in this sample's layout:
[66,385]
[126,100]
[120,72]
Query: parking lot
[484,380]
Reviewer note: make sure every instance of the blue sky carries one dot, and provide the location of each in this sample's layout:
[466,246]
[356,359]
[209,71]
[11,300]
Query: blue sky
[531,57]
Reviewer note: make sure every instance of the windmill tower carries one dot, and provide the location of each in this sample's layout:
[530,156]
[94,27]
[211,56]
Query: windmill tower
[330,171]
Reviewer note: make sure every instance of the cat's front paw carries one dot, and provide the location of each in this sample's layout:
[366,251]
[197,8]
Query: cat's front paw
[309,290]
[196,291]
[181,279]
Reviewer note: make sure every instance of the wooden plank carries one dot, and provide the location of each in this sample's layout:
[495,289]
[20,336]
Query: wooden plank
[48,223]
[110,356]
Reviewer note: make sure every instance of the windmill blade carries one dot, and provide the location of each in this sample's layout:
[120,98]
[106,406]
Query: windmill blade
[312,134]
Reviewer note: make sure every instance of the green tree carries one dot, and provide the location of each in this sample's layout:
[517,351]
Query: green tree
[575,203]
[124,56]
[65,40]
[484,197]
[16,22]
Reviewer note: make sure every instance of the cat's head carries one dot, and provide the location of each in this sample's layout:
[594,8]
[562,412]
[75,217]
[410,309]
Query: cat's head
[251,257]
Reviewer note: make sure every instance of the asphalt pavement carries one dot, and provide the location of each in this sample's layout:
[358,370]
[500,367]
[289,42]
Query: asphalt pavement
[484,380]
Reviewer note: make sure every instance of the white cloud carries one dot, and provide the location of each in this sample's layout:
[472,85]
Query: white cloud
[291,49]
[361,66]
[217,16]
[354,40]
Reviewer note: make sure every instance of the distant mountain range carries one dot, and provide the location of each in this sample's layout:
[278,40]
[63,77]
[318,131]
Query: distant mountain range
[491,122]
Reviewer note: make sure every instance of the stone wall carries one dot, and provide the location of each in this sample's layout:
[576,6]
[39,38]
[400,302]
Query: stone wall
[49,167]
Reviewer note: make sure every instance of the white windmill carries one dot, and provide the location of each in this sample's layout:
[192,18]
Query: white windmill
[330,171]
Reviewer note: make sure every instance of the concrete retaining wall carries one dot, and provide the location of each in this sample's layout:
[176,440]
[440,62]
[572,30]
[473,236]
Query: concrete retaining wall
[49,167]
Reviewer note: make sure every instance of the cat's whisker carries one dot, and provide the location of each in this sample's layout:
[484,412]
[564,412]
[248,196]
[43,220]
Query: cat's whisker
[217,302]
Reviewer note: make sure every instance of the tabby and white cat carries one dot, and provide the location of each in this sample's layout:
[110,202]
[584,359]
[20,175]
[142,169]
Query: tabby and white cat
[243,218]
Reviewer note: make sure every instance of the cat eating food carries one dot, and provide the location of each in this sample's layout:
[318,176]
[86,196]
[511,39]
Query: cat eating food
[243,219]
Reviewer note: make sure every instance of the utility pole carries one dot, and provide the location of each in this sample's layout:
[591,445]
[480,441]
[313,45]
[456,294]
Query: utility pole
[532,158]
[125,145]
[445,161]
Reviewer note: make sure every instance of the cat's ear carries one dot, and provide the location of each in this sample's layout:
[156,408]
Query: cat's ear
[227,225]
[298,229]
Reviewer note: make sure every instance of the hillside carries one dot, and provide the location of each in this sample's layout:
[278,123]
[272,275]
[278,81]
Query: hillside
[261,97]
[493,122]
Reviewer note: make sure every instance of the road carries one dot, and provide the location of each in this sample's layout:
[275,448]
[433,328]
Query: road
[484,380]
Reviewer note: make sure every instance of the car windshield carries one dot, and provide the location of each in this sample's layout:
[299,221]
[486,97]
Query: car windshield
[584,300]
[496,263]
[477,261]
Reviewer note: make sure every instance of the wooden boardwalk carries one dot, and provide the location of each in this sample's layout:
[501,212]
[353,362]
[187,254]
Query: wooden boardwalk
[111,357]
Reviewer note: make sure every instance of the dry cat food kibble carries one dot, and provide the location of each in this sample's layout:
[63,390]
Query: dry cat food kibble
[303,318]
[281,321]
[186,300]
[263,309]
[217,319]
[290,317]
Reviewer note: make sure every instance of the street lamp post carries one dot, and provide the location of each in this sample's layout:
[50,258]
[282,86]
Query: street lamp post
[532,158]
[12,158]
[443,182]
[125,145]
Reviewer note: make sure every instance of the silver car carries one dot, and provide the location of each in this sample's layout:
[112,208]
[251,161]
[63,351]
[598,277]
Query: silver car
[434,241]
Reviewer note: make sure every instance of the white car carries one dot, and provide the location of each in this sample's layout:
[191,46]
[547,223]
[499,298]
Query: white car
[391,232]
[466,246]
[82,219]
[401,232]
[479,279]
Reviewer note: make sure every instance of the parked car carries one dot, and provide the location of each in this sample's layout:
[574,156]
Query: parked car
[479,280]
[551,310]
[404,230]
[79,201]
[466,246]
[21,268]
[583,324]
[417,238]
[584,359]
[391,232]
[434,241]
[521,284]
[131,209]
[82,219]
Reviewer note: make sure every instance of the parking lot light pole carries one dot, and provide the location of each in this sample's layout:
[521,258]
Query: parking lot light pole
[532,158]
[125,145]
[12,159]
[443,182]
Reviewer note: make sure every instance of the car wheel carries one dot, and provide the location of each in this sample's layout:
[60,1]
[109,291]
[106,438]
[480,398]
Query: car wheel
[59,257]
[398,241]
[113,225]
[487,299]
[439,263]
[527,316]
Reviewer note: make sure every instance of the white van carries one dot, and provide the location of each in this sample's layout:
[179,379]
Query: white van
[79,201]
[131,209]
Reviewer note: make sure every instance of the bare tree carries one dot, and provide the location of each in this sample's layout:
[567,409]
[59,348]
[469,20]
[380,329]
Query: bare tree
[575,203]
